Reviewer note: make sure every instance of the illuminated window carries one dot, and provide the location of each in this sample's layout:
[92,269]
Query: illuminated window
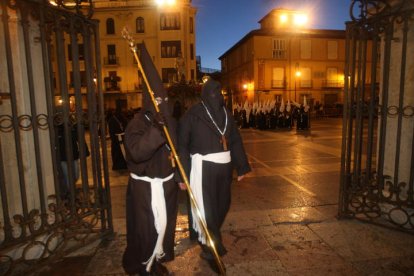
[305,77]
[170,21]
[279,48]
[140,27]
[111,54]
[168,75]
[278,77]
[170,49]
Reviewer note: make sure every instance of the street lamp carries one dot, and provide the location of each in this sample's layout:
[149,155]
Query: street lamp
[297,75]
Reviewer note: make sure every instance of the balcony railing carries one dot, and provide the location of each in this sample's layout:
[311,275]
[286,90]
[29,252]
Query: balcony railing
[305,83]
[278,84]
[332,84]
[111,61]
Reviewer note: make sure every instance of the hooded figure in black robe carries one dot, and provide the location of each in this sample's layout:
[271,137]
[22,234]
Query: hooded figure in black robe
[208,131]
[148,156]
[116,125]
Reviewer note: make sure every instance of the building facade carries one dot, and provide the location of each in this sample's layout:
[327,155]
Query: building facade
[284,60]
[168,31]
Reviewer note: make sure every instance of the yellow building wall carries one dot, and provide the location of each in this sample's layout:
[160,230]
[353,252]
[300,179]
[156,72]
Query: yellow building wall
[124,15]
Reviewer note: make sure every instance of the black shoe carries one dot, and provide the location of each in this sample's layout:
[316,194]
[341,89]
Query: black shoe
[159,270]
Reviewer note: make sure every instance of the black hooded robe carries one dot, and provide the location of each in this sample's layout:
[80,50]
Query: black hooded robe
[148,155]
[197,134]
[116,125]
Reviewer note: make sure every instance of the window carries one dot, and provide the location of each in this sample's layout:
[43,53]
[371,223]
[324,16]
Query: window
[261,74]
[170,21]
[110,26]
[170,49]
[332,77]
[111,82]
[332,50]
[191,25]
[279,49]
[305,49]
[140,27]
[192,74]
[81,52]
[305,77]
[82,79]
[192,51]
[111,54]
[278,77]
[168,75]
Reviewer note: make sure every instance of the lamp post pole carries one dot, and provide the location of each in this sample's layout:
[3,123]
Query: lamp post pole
[295,88]
[297,75]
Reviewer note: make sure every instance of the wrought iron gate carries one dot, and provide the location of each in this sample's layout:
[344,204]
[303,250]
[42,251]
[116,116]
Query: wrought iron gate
[54,182]
[377,172]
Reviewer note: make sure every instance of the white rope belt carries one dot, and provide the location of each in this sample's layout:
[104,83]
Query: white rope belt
[160,213]
[196,177]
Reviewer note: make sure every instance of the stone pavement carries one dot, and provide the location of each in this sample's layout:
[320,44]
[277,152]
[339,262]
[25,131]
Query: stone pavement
[282,219]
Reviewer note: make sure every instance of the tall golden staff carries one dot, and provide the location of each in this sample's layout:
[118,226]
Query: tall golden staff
[132,46]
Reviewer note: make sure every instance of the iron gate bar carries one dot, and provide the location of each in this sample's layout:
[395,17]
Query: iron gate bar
[79,112]
[385,85]
[5,207]
[48,80]
[33,110]
[107,188]
[61,64]
[401,102]
[342,181]
[91,119]
[15,123]
[373,95]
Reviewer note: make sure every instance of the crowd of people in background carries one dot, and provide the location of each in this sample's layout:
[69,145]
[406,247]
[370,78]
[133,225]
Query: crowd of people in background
[272,115]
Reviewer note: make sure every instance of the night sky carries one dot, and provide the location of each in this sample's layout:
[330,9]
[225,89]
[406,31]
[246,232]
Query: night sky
[222,23]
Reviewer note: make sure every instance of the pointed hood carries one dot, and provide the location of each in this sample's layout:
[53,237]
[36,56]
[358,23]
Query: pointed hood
[155,84]
[214,100]
[282,106]
[305,104]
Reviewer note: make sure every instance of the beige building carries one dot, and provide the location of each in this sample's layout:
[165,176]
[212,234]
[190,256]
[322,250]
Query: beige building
[168,30]
[283,59]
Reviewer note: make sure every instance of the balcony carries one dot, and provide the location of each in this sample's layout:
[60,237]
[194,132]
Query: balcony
[279,84]
[111,61]
[332,84]
[112,83]
[305,83]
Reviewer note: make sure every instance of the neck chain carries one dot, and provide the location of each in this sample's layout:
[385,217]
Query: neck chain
[209,115]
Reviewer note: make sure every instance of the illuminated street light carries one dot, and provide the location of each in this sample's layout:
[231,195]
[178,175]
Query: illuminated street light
[283,18]
[165,2]
[300,19]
